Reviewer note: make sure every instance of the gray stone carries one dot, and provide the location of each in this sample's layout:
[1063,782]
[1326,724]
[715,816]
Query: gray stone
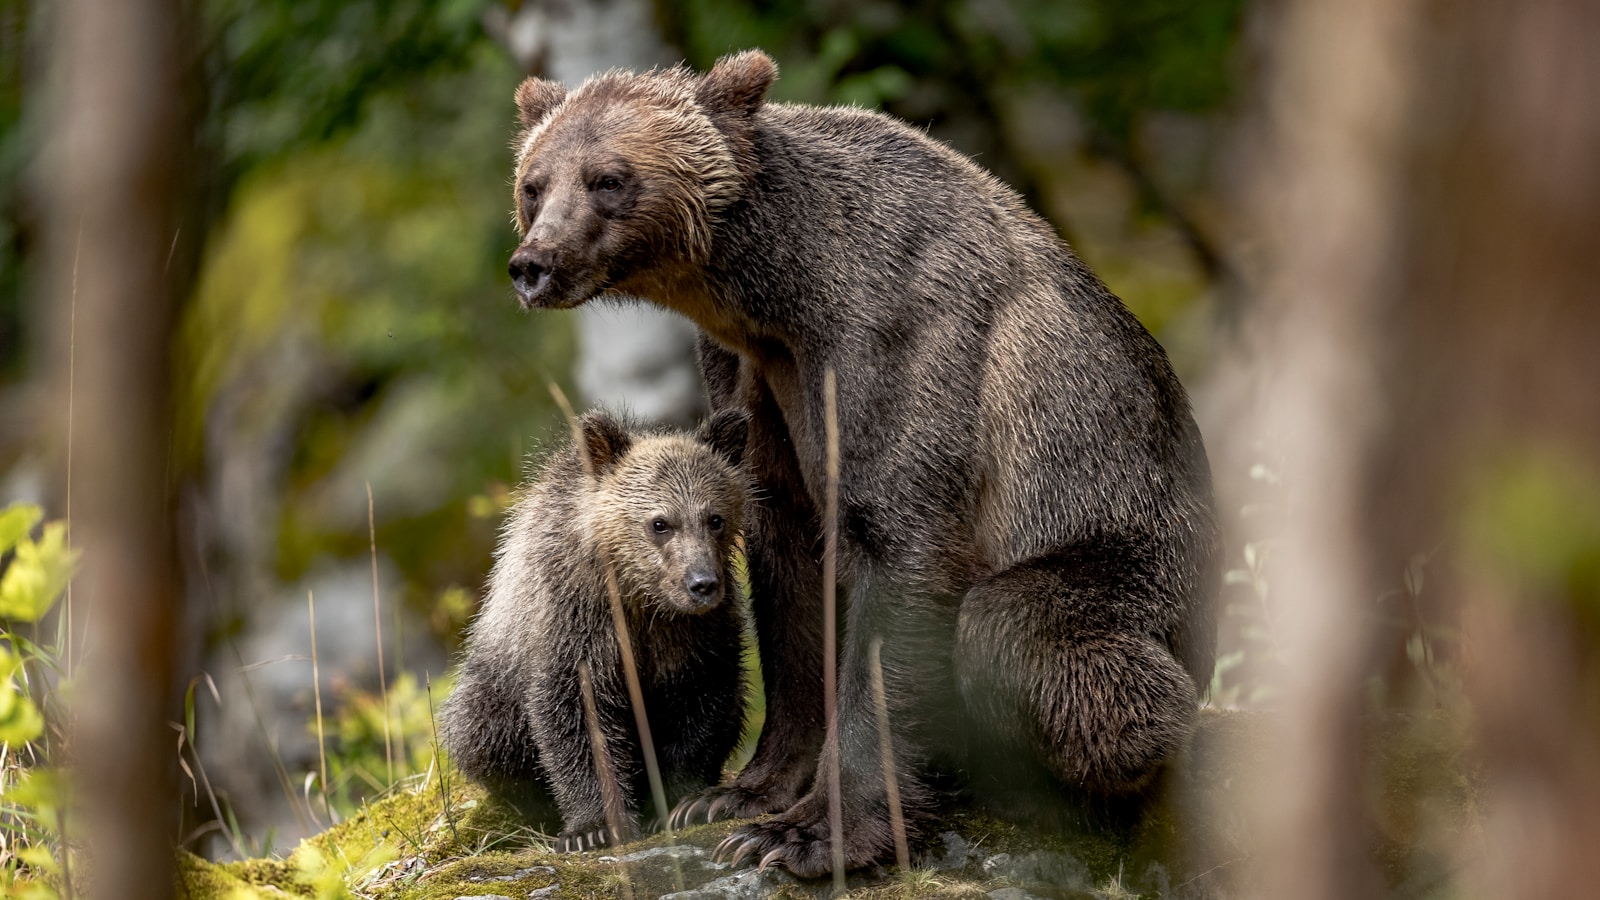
[1055,869]
[747,885]
[1013,893]
[958,853]
[518,874]
[673,852]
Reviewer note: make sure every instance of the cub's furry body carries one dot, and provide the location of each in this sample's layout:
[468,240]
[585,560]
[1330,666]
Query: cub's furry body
[661,511]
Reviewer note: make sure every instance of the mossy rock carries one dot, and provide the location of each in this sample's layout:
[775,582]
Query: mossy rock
[405,847]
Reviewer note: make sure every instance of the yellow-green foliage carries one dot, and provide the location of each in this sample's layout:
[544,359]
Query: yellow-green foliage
[32,582]
[1536,518]
[359,755]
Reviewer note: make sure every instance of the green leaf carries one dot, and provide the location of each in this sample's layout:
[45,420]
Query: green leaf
[40,859]
[40,791]
[16,521]
[34,890]
[37,575]
[20,721]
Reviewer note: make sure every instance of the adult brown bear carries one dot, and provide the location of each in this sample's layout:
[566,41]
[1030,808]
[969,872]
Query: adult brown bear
[1025,510]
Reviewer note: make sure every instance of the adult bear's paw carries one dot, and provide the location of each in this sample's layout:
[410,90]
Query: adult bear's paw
[801,849]
[804,849]
[726,801]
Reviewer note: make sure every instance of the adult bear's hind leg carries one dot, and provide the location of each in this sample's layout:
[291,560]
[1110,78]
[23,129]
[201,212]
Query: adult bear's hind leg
[1061,657]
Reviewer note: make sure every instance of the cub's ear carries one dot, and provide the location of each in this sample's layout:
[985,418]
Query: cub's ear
[535,98]
[726,432]
[603,441]
[736,85]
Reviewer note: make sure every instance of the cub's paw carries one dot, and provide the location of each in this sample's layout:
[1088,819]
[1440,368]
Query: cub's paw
[729,801]
[593,836]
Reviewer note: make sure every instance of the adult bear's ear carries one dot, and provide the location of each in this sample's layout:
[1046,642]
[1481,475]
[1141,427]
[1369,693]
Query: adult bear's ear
[602,441]
[727,432]
[734,88]
[535,98]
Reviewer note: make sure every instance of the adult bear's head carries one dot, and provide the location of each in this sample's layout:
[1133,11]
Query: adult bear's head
[623,179]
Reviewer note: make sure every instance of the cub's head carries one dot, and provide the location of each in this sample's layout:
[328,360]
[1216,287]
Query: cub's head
[627,174]
[668,508]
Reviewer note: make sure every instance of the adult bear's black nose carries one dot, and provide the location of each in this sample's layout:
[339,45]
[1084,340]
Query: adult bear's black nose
[530,271]
[703,584]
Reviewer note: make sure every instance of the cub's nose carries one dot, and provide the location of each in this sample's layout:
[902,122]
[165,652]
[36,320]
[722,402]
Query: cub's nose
[530,271]
[702,585]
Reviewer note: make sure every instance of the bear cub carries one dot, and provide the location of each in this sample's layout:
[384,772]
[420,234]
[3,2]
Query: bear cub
[661,512]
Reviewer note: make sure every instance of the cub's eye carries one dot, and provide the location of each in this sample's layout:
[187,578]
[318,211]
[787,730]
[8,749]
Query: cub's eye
[715,522]
[609,184]
[660,526]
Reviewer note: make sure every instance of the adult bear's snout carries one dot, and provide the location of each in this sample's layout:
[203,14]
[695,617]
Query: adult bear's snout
[530,271]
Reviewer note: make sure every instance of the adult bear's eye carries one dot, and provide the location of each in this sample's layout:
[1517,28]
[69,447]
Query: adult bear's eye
[529,191]
[660,526]
[609,184]
[715,522]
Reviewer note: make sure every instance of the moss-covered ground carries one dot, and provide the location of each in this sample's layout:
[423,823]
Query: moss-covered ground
[426,843]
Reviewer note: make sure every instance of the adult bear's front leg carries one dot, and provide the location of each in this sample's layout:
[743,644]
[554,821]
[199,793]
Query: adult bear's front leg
[914,634]
[783,552]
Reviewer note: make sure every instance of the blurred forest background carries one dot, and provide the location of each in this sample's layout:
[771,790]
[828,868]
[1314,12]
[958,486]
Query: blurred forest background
[346,344]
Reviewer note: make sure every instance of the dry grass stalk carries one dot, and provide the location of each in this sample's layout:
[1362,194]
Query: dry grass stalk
[891,784]
[616,810]
[630,669]
[377,624]
[830,638]
[316,685]
[72,391]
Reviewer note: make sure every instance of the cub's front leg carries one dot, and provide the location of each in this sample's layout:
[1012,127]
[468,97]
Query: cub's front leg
[590,770]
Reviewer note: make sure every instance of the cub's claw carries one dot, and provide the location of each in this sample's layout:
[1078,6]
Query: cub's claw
[581,841]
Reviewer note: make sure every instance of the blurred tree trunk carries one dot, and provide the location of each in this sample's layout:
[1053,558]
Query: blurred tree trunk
[1332,116]
[1494,443]
[111,177]
[1431,193]
[638,358]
